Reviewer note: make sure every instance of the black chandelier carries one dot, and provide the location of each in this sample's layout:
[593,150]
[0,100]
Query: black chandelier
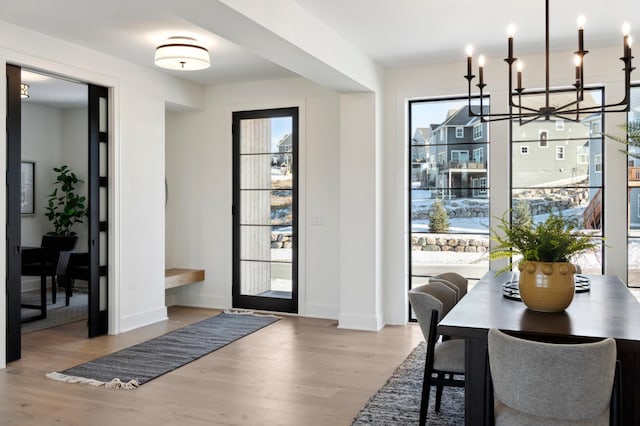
[570,111]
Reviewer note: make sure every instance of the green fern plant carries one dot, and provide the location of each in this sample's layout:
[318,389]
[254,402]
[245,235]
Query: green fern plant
[554,240]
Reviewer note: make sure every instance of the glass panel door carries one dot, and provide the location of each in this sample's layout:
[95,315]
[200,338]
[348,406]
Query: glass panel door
[265,146]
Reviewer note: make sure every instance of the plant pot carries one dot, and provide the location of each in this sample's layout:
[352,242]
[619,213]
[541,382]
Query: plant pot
[546,286]
[59,242]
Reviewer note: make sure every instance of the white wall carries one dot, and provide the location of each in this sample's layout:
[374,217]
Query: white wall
[75,154]
[136,166]
[199,177]
[602,67]
[42,136]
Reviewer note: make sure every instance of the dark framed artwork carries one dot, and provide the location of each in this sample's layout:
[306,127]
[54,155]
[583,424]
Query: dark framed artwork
[27,187]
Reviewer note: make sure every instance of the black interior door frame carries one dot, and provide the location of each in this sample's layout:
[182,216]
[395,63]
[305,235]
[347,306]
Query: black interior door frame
[98,208]
[13,269]
[98,238]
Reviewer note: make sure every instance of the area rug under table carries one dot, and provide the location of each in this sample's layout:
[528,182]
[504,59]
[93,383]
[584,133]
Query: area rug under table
[398,402]
[136,365]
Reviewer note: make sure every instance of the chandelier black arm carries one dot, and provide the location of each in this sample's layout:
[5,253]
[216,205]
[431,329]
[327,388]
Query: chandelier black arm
[526,108]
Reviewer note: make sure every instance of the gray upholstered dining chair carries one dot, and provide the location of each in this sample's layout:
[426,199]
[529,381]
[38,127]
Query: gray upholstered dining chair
[453,280]
[430,303]
[536,383]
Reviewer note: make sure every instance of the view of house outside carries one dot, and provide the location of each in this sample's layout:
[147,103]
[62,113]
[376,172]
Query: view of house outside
[634,193]
[449,196]
[556,168]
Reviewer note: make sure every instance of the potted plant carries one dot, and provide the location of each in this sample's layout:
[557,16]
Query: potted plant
[65,207]
[546,274]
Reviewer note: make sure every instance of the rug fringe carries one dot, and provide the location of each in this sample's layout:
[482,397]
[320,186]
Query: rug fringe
[113,384]
[251,313]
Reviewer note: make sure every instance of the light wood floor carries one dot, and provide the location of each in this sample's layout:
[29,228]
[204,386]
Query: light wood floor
[298,371]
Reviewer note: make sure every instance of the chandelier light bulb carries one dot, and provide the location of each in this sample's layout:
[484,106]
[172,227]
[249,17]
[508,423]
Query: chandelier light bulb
[577,60]
[481,60]
[519,66]
[626,28]
[469,50]
[511,30]
[24,90]
[581,21]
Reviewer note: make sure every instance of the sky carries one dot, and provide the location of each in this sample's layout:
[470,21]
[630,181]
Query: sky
[280,126]
[424,114]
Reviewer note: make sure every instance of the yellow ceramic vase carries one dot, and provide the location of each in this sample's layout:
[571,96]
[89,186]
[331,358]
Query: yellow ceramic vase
[546,286]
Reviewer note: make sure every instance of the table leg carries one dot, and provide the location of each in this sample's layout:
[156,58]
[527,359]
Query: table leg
[475,370]
[629,356]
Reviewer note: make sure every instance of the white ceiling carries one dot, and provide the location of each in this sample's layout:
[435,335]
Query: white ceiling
[392,33]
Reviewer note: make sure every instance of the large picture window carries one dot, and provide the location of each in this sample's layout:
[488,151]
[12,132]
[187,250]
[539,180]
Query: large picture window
[561,173]
[449,195]
[633,189]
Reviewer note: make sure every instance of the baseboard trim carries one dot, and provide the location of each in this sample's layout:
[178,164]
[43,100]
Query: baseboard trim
[360,322]
[322,311]
[143,319]
[186,298]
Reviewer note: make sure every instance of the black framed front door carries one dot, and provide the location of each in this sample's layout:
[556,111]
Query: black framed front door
[265,209]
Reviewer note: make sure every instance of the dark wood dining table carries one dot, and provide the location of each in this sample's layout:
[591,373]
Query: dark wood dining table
[607,310]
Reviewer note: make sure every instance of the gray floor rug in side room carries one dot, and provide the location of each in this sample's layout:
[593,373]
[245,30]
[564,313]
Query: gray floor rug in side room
[57,314]
[138,364]
[398,402]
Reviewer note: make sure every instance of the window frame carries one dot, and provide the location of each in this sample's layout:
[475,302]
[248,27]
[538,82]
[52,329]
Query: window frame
[543,138]
[475,157]
[441,185]
[580,157]
[477,131]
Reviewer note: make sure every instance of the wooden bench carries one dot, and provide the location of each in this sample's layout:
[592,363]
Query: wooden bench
[176,277]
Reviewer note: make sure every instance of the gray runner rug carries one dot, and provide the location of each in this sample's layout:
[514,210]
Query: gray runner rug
[136,365]
[398,402]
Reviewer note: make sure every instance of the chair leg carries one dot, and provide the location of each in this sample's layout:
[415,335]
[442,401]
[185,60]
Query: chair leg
[439,392]
[67,287]
[426,390]
[54,289]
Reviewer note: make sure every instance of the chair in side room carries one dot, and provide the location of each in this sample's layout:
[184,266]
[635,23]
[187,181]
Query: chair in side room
[77,268]
[430,303]
[453,280]
[537,383]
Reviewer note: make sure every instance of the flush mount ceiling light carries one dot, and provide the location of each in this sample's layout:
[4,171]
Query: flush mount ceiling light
[24,91]
[182,53]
